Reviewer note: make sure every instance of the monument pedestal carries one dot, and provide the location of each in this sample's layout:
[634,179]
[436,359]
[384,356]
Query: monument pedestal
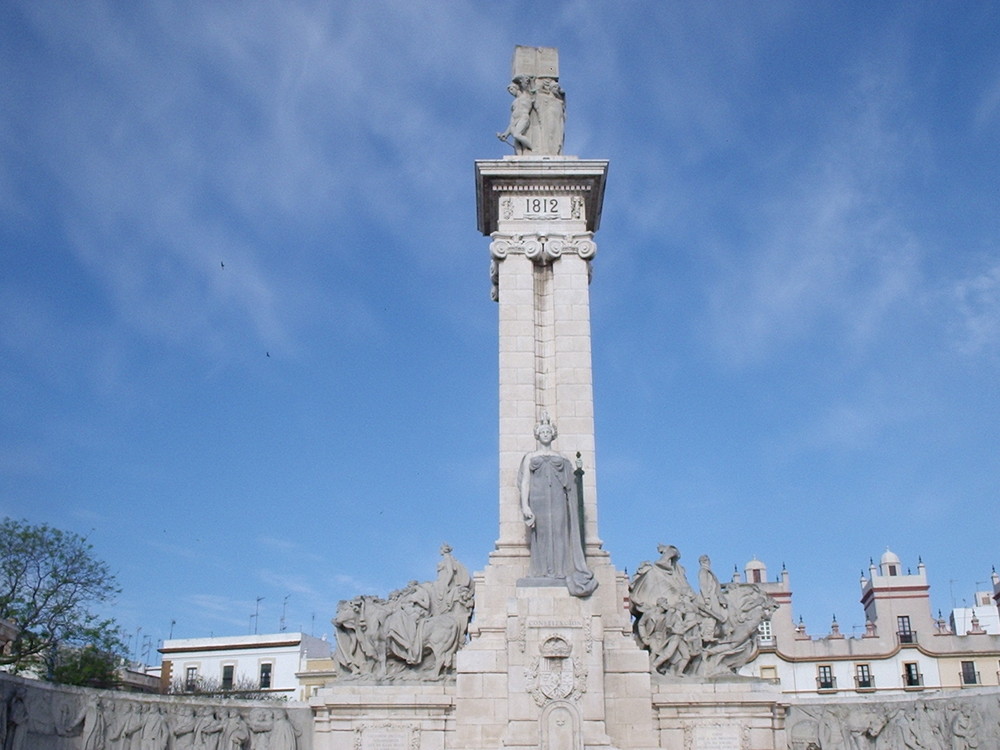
[721,714]
[551,662]
[358,716]
[545,669]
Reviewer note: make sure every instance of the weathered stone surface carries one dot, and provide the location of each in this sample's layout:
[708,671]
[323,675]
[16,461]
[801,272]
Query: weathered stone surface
[551,504]
[688,634]
[413,634]
[538,112]
[35,715]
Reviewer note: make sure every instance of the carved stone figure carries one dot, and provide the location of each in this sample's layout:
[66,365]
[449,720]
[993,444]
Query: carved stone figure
[209,729]
[404,624]
[17,721]
[94,725]
[538,112]
[183,728]
[284,733]
[551,512]
[521,110]
[712,600]
[413,634]
[155,733]
[550,106]
[713,632]
[964,727]
[234,731]
[260,722]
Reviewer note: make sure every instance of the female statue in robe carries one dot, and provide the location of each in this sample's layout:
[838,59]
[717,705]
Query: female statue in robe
[551,513]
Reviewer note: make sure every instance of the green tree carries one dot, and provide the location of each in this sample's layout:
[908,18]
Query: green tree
[50,583]
[94,664]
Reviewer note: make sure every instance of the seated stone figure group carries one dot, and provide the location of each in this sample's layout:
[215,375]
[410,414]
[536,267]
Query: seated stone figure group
[705,633]
[412,634]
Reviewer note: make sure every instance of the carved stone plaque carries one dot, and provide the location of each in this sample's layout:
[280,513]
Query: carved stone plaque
[543,207]
[716,737]
[386,736]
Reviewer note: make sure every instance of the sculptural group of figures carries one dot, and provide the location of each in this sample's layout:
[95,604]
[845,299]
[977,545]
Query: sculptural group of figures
[537,116]
[705,633]
[44,719]
[412,634]
[962,724]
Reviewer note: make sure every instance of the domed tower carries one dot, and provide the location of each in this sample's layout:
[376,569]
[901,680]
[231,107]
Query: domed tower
[897,600]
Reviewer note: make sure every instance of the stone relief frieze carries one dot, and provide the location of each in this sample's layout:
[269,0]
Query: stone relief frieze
[76,719]
[955,723]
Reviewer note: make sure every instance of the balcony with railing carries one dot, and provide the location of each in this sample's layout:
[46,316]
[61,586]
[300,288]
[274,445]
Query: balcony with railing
[913,680]
[864,684]
[826,684]
[969,678]
[907,637]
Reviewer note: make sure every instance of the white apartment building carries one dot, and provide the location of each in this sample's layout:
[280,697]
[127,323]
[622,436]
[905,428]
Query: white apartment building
[267,663]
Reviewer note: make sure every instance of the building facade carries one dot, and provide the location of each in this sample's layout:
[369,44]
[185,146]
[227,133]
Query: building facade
[904,648]
[249,663]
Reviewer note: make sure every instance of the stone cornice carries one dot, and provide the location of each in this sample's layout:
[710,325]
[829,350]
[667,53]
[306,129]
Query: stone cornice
[565,175]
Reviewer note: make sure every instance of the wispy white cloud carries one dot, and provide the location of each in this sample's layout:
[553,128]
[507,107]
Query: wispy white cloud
[830,244]
[977,300]
[988,107]
[235,135]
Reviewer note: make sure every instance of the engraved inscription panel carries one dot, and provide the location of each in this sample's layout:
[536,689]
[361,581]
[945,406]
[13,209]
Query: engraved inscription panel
[540,207]
[385,737]
[716,737]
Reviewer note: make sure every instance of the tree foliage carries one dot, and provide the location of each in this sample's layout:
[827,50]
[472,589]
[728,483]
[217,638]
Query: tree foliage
[244,687]
[50,583]
[93,665]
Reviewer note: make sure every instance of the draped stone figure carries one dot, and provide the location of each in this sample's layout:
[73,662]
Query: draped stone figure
[712,632]
[551,512]
[550,106]
[413,634]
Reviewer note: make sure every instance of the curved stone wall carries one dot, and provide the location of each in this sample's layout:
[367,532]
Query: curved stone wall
[37,715]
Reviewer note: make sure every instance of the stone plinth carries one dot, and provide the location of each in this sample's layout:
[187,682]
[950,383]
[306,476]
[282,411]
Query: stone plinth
[721,714]
[357,716]
[546,669]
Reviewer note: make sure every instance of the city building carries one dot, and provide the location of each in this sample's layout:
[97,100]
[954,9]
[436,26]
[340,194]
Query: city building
[248,663]
[903,649]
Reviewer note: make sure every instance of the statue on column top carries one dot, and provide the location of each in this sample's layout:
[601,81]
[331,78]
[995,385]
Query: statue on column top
[538,113]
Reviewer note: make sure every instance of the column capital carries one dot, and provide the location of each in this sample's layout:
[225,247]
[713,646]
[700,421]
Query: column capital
[542,248]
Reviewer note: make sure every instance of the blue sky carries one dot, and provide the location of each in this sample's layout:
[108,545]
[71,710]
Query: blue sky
[246,340]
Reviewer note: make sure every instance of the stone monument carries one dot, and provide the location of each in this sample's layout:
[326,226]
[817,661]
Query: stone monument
[552,658]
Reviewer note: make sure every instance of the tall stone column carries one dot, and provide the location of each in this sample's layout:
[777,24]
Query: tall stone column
[545,668]
[541,214]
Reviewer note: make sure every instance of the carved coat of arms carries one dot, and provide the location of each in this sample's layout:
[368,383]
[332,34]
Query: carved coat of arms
[555,675]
